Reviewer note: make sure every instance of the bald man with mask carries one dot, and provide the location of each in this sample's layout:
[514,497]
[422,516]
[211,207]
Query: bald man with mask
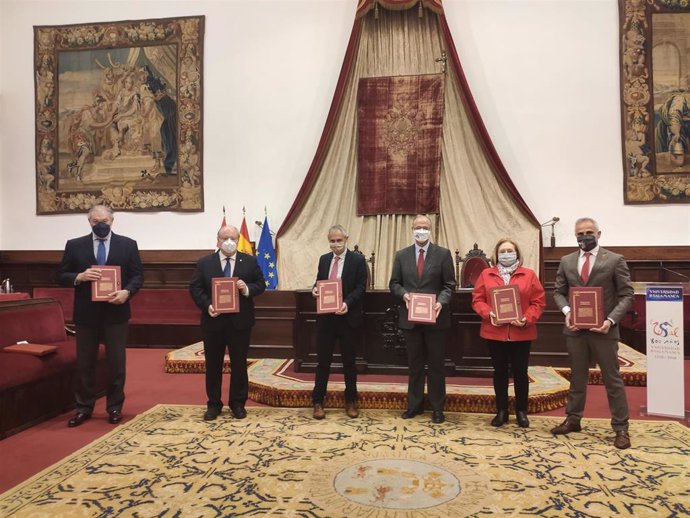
[231,331]
[424,268]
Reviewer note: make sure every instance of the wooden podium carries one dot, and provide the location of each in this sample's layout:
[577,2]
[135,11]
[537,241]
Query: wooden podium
[382,349]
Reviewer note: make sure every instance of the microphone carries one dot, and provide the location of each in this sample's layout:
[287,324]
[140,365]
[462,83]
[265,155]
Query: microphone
[261,225]
[552,222]
[686,277]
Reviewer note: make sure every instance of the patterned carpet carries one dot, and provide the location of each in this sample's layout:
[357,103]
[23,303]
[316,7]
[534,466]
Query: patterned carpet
[272,382]
[168,462]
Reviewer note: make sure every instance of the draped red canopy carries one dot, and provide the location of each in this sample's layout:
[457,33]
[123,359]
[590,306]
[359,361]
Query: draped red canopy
[455,68]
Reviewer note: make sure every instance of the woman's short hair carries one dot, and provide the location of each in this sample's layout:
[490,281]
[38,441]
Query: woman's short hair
[494,258]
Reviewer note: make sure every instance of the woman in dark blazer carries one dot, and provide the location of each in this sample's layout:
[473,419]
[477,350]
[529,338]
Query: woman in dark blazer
[509,344]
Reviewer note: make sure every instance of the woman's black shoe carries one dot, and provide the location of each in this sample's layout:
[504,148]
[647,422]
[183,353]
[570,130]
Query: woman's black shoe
[522,420]
[500,418]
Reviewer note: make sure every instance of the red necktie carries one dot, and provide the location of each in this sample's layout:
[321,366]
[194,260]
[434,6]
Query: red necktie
[334,269]
[584,274]
[420,263]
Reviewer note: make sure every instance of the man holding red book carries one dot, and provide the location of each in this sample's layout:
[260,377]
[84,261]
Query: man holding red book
[231,330]
[106,318]
[593,266]
[344,274]
[424,268]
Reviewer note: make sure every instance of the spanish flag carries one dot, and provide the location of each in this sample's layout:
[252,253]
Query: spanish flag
[244,245]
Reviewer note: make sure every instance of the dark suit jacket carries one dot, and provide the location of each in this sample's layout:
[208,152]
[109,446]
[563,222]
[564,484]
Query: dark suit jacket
[354,279]
[438,277]
[247,269]
[610,271]
[79,256]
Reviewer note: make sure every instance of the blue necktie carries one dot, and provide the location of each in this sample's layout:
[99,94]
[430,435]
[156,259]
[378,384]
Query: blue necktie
[100,255]
[226,270]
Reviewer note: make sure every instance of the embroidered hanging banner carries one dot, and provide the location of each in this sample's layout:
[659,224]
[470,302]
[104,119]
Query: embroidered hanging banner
[400,127]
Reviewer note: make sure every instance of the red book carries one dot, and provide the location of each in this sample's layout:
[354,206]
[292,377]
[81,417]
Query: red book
[420,309]
[32,349]
[225,294]
[505,301]
[110,281]
[330,297]
[587,306]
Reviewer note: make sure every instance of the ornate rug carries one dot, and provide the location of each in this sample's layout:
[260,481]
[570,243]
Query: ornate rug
[270,383]
[281,462]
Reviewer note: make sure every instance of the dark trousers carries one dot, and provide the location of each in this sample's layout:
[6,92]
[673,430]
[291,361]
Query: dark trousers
[503,356]
[329,330]
[425,346]
[237,344]
[114,336]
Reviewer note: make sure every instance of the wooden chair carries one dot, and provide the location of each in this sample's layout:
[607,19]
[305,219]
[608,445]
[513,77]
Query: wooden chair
[472,265]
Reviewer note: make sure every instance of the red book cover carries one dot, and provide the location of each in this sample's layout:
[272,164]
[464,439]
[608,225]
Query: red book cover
[225,294]
[587,306]
[505,301]
[420,309]
[32,349]
[110,281]
[330,297]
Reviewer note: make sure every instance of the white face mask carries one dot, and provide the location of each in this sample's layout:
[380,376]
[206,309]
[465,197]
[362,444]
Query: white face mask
[337,248]
[507,258]
[421,235]
[228,246]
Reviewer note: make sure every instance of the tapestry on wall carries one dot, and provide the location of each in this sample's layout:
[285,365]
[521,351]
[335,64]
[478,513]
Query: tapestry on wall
[655,99]
[119,115]
[400,125]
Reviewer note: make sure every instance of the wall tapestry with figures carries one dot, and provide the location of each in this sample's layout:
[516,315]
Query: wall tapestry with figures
[119,115]
[655,100]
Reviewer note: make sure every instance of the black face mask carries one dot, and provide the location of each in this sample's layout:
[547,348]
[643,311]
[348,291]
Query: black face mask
[101,229]
[587,242]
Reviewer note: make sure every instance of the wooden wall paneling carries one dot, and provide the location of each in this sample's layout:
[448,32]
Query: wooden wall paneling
[286,320]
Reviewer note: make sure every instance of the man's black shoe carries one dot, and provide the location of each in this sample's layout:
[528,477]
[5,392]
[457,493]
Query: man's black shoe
[78,419]
[211,414]
[239,412]
[409,414]
[437,417]
[114,416]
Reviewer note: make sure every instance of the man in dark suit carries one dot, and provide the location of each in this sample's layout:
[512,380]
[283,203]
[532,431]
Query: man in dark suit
[231,330]
[343,326]
[594,266]
[424,268]
[96,321]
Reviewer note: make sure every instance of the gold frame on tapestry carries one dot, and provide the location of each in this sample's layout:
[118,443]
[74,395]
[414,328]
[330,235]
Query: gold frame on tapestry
[118,108]
[656,157]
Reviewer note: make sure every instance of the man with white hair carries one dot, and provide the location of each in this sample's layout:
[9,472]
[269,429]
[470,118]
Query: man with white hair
[342,326]
[105,321]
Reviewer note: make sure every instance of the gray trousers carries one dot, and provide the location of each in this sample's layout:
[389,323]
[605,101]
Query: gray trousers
[605,351]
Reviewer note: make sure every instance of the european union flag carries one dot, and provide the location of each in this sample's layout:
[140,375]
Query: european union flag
[266,257]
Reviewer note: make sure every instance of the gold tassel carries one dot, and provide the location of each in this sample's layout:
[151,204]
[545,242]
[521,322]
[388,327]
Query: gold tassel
[420,12]
[376,10]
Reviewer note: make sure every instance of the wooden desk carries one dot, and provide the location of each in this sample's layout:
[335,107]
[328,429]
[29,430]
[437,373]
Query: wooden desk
[382,348]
